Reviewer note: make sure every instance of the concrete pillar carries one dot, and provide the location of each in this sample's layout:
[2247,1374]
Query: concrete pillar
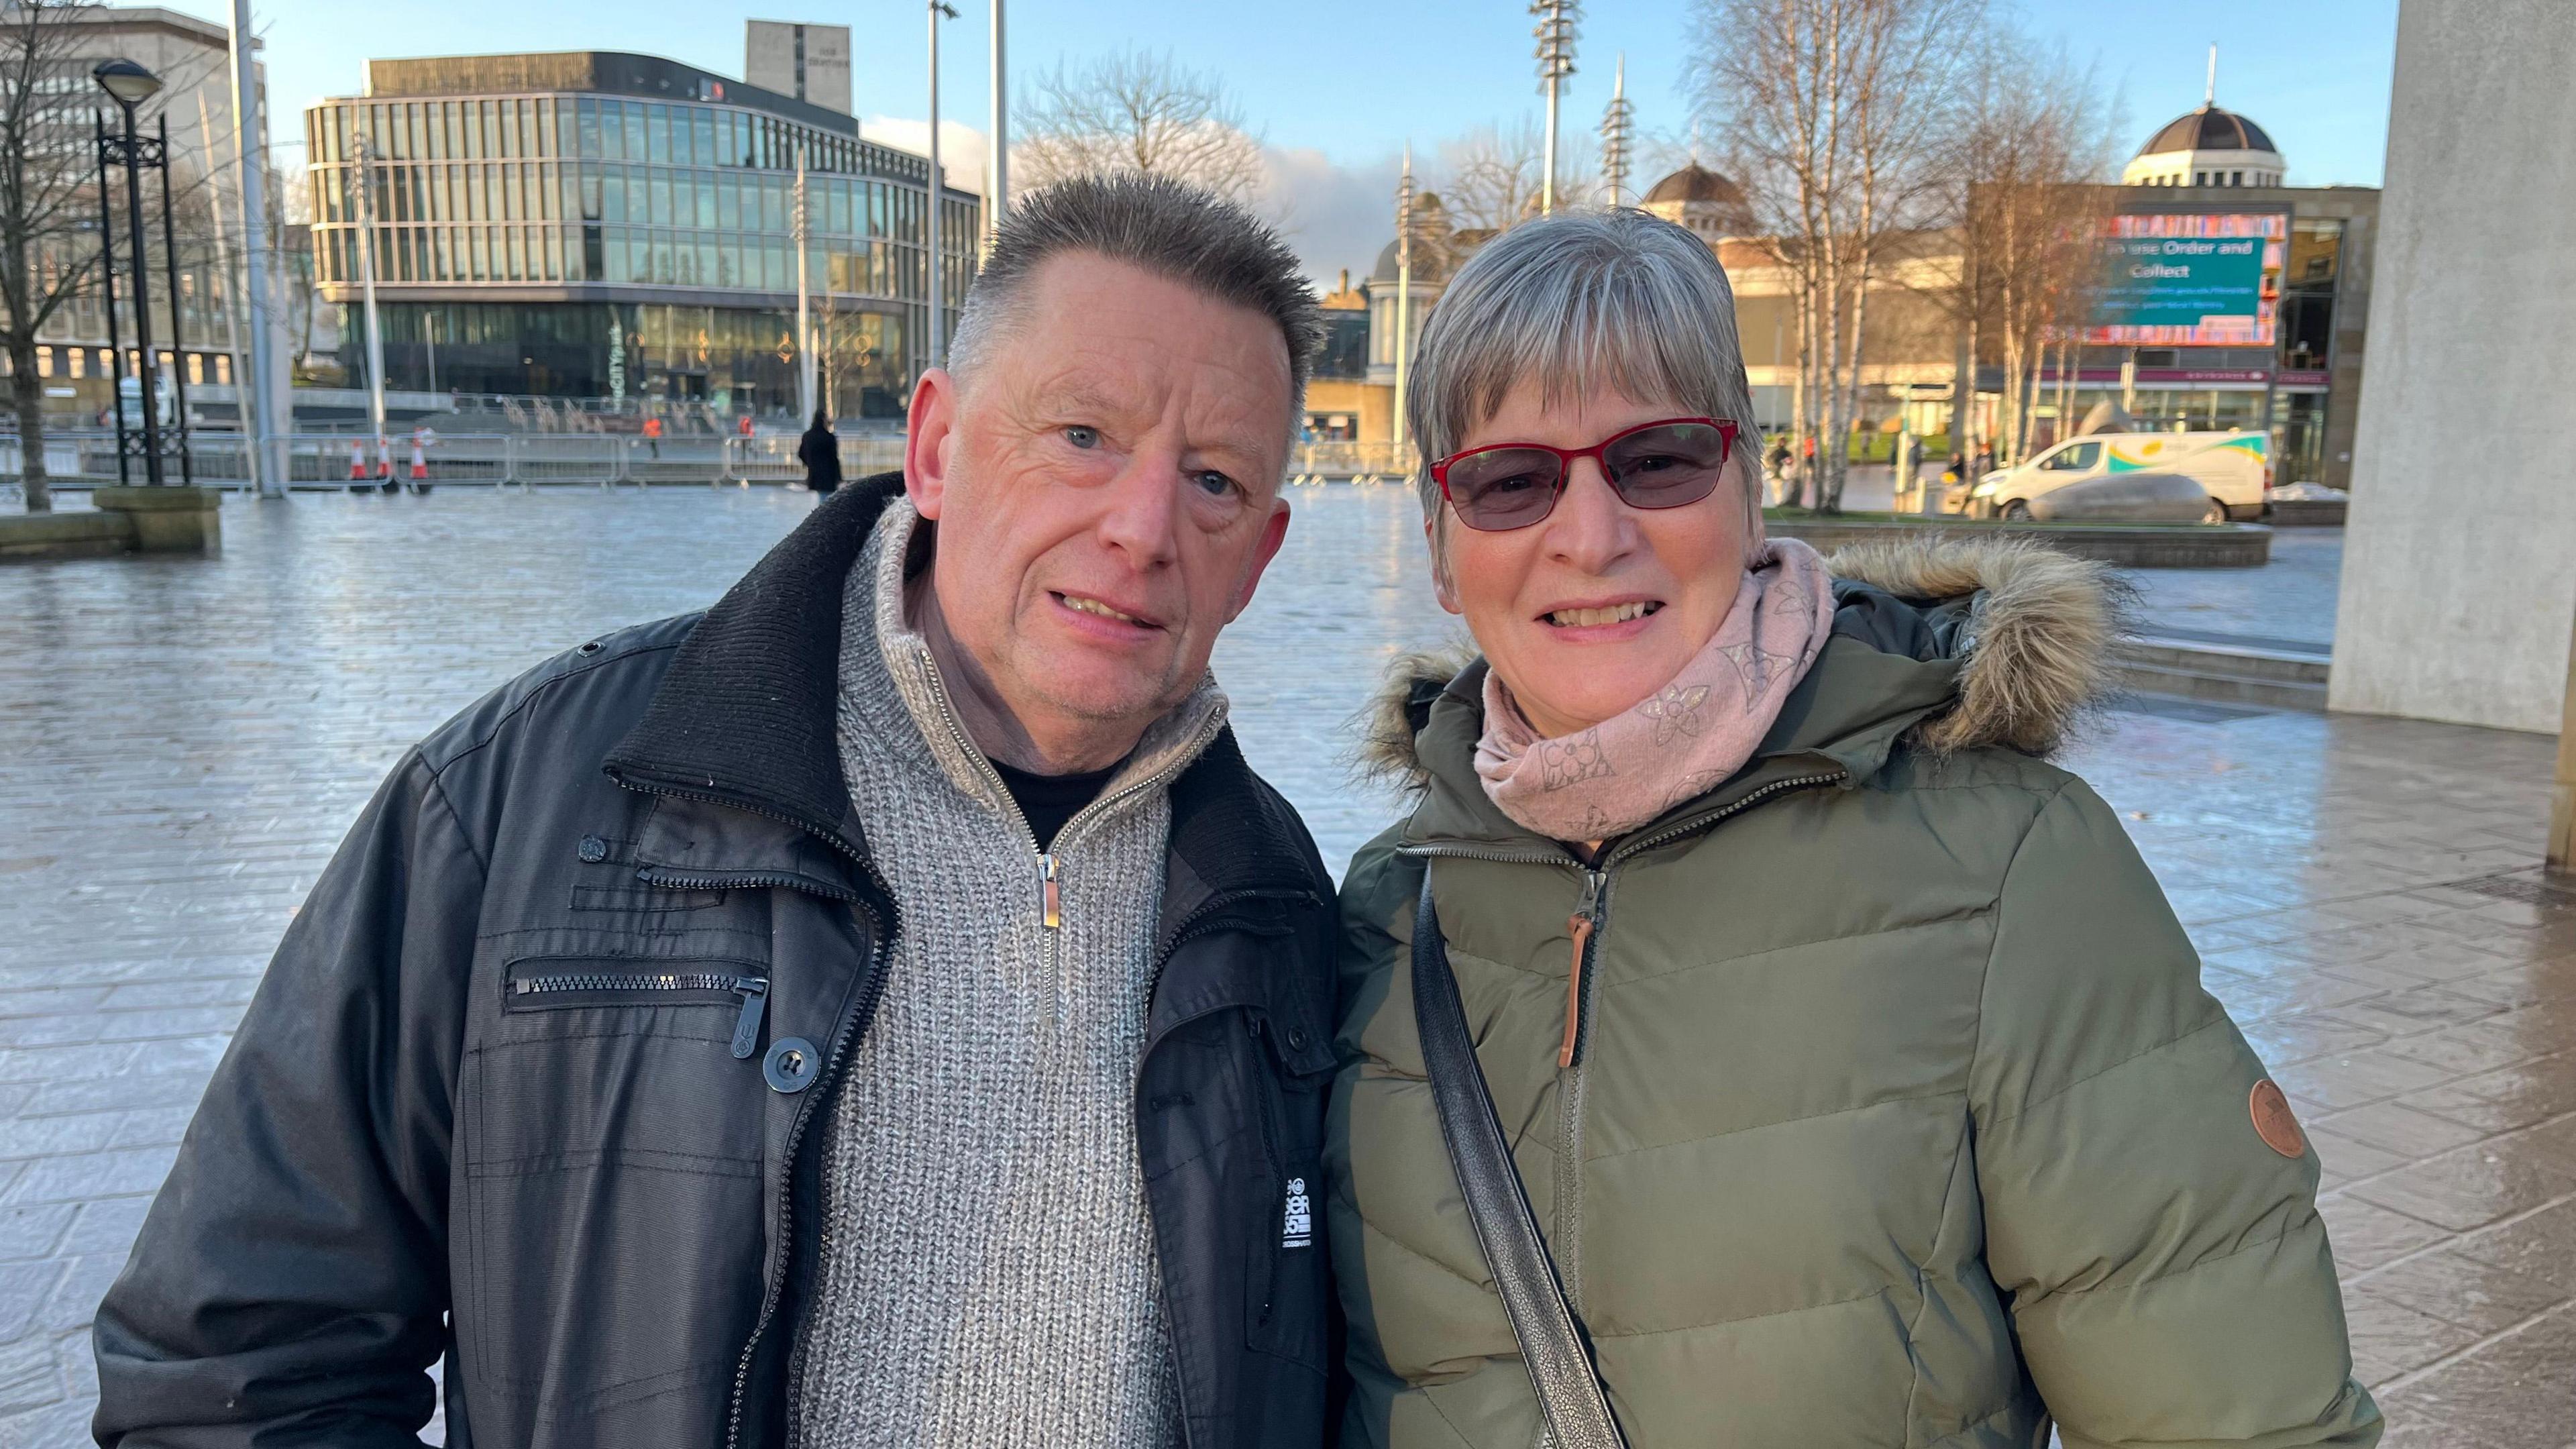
[2459,573]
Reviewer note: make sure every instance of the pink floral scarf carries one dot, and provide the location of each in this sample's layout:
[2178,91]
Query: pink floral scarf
[1683,739]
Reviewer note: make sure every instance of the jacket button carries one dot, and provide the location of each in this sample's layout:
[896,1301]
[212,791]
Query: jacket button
[593,849]
[791,1064]
[1296,1038]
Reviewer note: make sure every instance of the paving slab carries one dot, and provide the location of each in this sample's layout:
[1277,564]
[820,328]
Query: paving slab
[190,737]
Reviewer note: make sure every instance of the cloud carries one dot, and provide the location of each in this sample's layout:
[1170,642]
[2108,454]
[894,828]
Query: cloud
[962,148]
[1336,216]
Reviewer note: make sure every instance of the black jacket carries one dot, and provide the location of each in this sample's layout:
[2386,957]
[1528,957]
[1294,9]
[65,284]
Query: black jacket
[820,452]
[593,1184]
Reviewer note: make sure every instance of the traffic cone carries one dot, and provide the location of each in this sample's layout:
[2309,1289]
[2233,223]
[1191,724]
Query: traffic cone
[357,461]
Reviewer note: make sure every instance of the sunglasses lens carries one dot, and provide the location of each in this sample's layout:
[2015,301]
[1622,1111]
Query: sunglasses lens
[1503,487]
[1667,466]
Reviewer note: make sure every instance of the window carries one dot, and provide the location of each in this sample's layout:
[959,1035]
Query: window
[196,369]
[2200,178]
[2236,178]
[728,191]
[77,356]
[634,119]
[657,134]
[701,188]
[223,369]
[612,131]
[2075,459]
[662,208]
[684,151]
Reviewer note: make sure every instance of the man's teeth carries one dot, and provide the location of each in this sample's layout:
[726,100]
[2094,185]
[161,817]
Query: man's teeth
[1094,606]
[1592,618]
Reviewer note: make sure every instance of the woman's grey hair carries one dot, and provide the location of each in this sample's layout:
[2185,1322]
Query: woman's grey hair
[1580,303]
[1166,227]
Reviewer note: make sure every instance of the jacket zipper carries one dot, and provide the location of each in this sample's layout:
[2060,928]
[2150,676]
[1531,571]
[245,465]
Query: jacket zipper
[887,918]
[753,990]
[1202,922]
[1573,1058]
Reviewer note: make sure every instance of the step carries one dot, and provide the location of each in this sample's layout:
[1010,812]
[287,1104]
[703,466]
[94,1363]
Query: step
[2148,678]
[2281,665]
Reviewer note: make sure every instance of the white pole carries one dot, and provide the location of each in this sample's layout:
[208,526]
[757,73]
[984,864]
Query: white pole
[937,353]
[1403,294]
[233,317]
[260,419]
[367,284]
[1547,178]
[998,205]
[804,303]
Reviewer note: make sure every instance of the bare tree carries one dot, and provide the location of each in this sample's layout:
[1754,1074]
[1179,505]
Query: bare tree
[1834,113]
[2035,137]
[49,245]
[1135,111]
[1491,175]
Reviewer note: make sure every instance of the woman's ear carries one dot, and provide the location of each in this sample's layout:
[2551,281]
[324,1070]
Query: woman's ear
[1443,586]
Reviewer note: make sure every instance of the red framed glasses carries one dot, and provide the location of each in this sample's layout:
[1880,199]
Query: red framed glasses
[1654,465]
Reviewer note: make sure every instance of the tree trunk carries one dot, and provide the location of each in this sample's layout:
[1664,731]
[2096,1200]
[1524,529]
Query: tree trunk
[1842,460]
[27,396]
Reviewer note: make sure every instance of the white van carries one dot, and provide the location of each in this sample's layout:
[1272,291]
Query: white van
[2230,468]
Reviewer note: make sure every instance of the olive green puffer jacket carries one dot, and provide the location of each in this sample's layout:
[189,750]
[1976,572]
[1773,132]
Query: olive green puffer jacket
[1897,1114]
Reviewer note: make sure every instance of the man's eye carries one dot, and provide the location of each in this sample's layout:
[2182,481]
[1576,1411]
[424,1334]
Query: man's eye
[1082,437]
[1213,483]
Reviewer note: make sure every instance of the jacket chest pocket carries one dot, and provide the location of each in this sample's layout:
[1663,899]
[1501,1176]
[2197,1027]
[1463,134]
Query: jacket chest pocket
[617,1116]
[560,983]
[1285,1305]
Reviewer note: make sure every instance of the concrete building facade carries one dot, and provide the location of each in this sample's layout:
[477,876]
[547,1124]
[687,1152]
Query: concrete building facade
[2458,594]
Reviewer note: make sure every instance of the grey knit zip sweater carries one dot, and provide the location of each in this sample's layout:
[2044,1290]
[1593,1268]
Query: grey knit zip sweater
[986,1273]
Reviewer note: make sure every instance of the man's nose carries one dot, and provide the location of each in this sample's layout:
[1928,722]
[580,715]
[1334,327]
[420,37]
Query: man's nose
[1590,529]
[1140,510]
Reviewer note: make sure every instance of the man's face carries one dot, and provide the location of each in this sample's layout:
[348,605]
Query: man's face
[1106,493]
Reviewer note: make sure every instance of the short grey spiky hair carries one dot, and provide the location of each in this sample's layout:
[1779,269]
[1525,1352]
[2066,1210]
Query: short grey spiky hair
[1167,227]
[1581,302]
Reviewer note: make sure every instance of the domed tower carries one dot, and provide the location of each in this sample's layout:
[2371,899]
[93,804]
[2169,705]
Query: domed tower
[1702,200]
[2208,147]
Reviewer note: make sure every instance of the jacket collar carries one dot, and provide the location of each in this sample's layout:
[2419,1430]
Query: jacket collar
[745,715]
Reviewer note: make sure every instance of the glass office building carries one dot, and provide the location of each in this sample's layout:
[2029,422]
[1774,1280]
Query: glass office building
[595,225]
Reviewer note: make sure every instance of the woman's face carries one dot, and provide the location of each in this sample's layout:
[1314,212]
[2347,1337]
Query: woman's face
[1598,605]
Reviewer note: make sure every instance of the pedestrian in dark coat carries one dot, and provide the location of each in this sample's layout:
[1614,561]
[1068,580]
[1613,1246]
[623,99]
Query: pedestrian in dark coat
[820,452]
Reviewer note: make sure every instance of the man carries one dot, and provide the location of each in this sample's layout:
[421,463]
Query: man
[883,1010]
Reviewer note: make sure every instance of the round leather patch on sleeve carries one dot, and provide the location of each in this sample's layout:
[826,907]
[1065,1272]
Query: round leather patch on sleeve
[2274,1122]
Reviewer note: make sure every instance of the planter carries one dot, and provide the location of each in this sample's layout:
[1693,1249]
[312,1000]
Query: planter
[126,520]
[2137,546]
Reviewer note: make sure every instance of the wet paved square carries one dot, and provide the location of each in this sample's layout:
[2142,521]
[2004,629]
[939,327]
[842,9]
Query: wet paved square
[186,741]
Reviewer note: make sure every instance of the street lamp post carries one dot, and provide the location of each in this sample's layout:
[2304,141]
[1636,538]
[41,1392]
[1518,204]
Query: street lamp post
[130,85]
[1555,32]
[936,356]
[1618,131]
[998,205]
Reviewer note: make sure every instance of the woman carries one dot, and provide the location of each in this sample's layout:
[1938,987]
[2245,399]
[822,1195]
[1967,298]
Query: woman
[1855,1070]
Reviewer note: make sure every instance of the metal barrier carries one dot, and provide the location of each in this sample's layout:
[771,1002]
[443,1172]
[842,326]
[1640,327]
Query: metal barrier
[771,457]
[1361,464]
[315,460]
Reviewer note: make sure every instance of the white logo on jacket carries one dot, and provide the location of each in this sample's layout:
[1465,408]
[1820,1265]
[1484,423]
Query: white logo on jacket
[1298,1230]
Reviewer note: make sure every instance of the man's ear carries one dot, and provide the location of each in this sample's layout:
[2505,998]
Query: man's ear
[1274,532]
[931,427]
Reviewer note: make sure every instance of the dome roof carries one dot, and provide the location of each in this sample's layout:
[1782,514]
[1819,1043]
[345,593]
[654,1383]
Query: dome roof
[2209,129]
[1695,182]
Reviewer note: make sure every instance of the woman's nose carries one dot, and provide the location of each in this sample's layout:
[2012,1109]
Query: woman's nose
[1591,528]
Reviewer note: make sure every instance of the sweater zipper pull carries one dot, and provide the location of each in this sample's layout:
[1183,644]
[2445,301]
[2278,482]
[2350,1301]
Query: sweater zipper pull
[1579,927]
[1050,900]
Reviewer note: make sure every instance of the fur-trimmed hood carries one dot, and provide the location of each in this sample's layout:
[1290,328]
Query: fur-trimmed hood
[2031,630]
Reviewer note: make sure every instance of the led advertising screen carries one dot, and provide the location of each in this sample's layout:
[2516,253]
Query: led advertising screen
[2189,281]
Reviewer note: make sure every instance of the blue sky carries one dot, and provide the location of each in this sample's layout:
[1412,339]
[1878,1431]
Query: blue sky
[1339,85]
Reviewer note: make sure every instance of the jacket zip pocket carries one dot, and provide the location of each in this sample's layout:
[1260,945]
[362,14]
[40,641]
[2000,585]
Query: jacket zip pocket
[565,985]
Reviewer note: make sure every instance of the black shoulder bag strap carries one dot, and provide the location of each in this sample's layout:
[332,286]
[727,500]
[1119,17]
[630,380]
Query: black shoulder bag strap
[1553,1345]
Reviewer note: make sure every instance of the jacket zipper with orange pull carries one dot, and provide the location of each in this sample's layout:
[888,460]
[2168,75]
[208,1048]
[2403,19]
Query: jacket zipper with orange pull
[1579,926]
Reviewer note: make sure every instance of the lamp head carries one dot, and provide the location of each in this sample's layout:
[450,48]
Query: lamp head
[130,83]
